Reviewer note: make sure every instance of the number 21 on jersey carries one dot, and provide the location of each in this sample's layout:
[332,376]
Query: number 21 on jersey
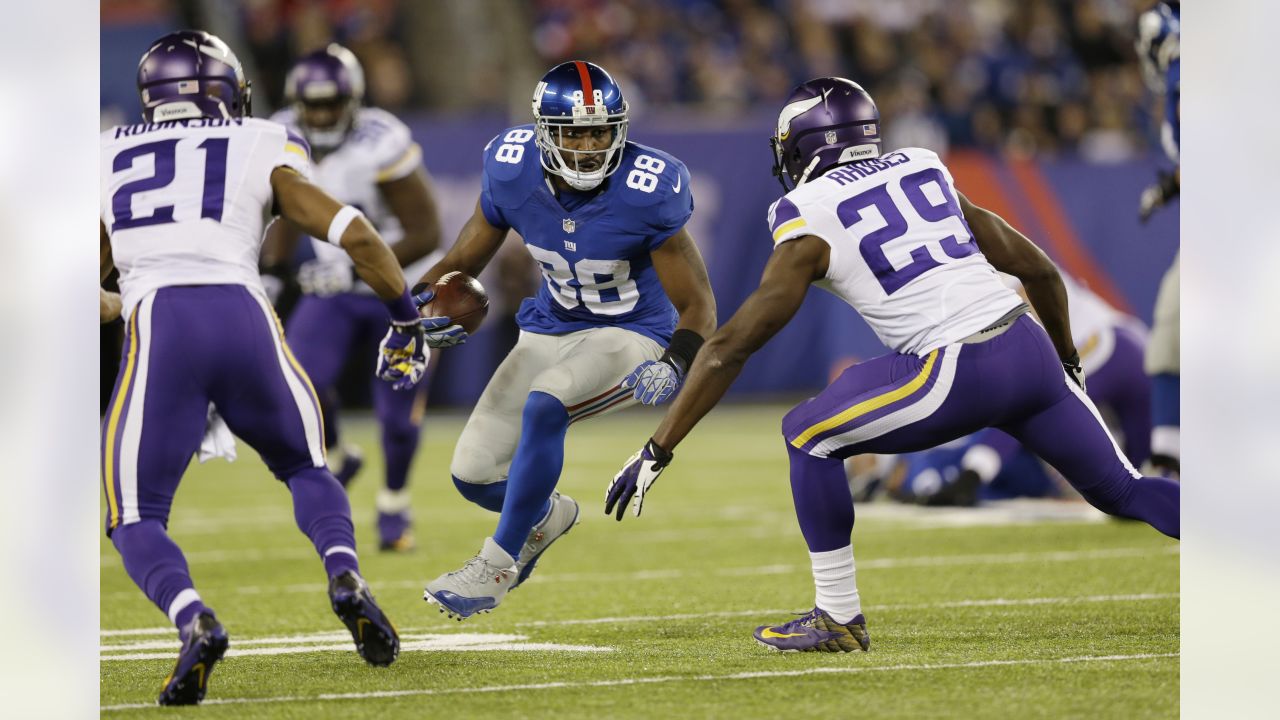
[930,221]
[163,156]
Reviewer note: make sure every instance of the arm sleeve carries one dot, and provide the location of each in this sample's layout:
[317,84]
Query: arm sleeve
[396,155]
[675,210]
[786,222]
[492,213]
[295,155]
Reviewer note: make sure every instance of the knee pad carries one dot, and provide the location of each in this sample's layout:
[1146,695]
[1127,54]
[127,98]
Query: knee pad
[487,495]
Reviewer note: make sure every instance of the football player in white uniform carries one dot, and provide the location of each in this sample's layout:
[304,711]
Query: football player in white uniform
[366,158]
[185,197]
[889,234]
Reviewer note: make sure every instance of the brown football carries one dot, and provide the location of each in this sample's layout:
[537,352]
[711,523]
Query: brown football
[461,297]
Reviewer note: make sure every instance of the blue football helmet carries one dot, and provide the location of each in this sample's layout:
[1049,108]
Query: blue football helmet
[825,122]
[579,94]
[330,77]
[1157,44]
[192,74]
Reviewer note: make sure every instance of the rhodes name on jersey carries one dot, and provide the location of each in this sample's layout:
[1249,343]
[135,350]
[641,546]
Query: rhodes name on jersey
[595,256]
[185,201]
[902,254]
[378,149]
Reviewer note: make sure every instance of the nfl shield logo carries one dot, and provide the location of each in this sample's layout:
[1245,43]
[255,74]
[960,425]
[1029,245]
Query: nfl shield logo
[831,137]
[569,225]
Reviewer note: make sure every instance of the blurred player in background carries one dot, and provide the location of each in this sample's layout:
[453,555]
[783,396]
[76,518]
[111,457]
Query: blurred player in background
[1159,33]
[185,196]
[1111,346]
[624,308]
[890,235]
[366,158]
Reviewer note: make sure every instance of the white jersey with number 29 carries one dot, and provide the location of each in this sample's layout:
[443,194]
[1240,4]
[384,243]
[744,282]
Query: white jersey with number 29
[185,202]
[902,254]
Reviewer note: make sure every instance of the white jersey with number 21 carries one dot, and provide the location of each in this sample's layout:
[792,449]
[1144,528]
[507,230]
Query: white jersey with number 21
[902,254]
[185,202]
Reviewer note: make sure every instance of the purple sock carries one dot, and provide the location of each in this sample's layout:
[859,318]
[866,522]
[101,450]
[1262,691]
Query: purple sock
[323,514]
[824,505]
[156,564]
[400,417]
[1156,501]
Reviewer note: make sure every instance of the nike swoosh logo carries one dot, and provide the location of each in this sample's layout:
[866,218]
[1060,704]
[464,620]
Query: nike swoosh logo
[769,633]
[679,180]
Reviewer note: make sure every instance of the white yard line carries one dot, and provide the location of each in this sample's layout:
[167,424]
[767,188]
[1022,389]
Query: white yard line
[661,679]
[329,635]
[746,571]
[327,642]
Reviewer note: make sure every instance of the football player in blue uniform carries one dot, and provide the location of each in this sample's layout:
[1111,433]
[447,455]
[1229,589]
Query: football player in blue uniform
[1159,30]
[623,308]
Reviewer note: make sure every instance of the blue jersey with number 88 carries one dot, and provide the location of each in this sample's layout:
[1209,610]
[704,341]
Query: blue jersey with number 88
[594,250]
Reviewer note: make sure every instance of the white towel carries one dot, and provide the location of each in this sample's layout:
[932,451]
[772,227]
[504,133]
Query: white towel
[218,440]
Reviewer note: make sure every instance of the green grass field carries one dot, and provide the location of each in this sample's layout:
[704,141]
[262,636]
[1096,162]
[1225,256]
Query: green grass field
[1027,610]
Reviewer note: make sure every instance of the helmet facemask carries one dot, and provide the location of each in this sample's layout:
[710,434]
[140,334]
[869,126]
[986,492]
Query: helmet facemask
[326,138]
[581,169]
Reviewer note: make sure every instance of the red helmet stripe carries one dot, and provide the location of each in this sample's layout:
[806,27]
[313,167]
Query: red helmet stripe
[588,95]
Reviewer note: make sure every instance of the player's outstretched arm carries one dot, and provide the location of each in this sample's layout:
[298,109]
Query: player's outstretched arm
[1010,251]
[412,202]
[786,279]
[477,243]
[770,307]
[313,210]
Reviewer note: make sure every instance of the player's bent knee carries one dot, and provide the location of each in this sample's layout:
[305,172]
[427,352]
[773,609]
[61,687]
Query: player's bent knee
[544,412]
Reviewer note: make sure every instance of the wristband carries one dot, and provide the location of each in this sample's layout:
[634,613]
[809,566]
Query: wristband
[402,309]
[682,349]
[341,221]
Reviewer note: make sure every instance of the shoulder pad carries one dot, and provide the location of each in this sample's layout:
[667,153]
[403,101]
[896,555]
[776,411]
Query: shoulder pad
[640,166]
[512,169]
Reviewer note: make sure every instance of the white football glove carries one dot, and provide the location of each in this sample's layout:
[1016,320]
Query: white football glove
[635,479]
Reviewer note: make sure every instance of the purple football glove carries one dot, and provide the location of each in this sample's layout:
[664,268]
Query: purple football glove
[402,358]
[655,381]
[441,331]
[635,479]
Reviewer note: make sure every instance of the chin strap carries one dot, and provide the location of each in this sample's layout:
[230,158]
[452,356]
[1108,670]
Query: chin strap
[804,176]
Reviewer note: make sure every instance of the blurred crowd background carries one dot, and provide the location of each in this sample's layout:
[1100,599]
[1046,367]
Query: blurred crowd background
[1038,106]
[1018,77]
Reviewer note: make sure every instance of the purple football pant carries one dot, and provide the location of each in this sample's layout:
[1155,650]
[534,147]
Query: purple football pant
[324,331]
[1121,384]
[901,403]
[184,348]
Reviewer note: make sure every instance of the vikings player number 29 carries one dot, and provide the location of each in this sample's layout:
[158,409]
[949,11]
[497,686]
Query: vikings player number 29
[163,156]
[917,188]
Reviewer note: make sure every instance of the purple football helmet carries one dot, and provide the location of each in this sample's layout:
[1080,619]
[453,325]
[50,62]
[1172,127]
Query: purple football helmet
[326,88]
[192,74]
[825,122]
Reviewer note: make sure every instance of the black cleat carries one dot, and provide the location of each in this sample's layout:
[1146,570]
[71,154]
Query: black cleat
[205,645]
[375,636]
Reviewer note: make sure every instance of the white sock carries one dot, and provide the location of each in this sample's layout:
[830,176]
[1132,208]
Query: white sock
[837,587]
[392,502]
